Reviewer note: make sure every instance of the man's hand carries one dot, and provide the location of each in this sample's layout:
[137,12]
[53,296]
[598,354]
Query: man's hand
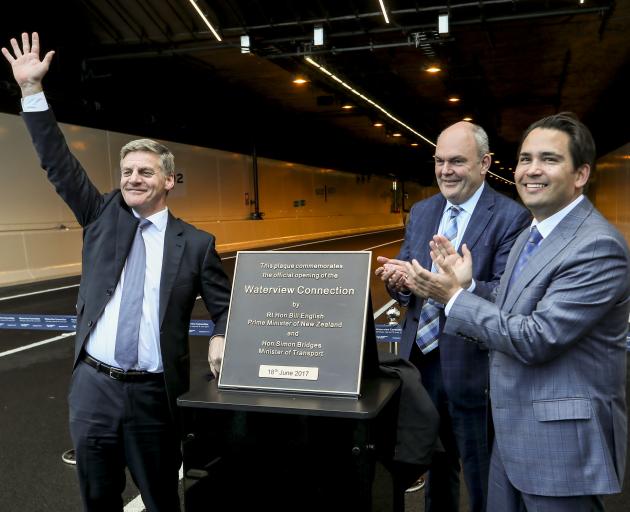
[426,284]
[215,354]
[28,69]
[393,273]
[443,254]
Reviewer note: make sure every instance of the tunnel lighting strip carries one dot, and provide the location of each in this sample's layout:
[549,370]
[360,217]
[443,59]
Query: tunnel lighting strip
[384,10]
[205,20]
[501,178]
[365,98]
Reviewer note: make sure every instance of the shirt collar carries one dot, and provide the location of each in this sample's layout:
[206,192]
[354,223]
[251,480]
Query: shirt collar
[158,219]
[546,226]
[468,206]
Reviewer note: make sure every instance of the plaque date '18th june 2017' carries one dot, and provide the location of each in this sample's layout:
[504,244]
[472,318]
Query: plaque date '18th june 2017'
[288,372]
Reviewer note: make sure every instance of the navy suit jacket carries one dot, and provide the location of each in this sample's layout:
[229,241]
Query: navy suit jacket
[491,231]
[190,267]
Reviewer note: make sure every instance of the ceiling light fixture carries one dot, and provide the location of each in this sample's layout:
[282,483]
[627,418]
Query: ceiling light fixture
[347,106]
[443,24]
[203,17]
[467,118]
[318,35]
[433,69]
[453,99]
[365,98]
[384,10]
[397,134]
[245,44]
[299,80]
[377,124]
[414,144]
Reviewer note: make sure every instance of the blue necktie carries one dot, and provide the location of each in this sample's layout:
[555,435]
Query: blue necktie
[429,321]
[530,247]
[126,352]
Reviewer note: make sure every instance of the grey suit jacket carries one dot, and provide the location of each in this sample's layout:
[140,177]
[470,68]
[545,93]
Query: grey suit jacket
[558,358]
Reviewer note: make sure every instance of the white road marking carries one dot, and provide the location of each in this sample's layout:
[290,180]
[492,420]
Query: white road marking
[37,344]
[38,292]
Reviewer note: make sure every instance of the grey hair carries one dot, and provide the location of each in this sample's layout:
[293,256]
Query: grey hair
[481,137]
[167,160]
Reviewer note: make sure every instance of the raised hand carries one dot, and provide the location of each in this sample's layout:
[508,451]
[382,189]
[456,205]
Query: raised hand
[439,286]
[444,255]
[28,69]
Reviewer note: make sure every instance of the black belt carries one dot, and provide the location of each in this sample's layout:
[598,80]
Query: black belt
[118,373]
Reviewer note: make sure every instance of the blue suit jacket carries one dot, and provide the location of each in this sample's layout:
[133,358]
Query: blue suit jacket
[493,227]
[557,340]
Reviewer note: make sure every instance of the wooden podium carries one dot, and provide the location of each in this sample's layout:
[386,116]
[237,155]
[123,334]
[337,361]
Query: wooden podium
[270,451]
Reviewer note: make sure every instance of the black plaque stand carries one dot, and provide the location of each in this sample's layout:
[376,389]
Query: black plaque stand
[261,450]
[265,451]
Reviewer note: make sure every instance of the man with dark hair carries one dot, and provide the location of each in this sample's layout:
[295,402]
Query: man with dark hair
[556,328]
[455,375]
[142,270]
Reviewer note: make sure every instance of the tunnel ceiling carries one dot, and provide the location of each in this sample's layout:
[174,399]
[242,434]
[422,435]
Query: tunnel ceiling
[153,67]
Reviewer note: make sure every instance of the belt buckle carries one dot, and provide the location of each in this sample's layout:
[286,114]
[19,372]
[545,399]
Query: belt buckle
[115,374]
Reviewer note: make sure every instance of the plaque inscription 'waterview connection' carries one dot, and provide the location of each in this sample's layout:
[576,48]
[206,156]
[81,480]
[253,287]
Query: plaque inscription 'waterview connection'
[297,322]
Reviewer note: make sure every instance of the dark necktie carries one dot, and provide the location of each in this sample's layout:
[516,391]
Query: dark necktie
[126,352]
[429,321]
[530,247]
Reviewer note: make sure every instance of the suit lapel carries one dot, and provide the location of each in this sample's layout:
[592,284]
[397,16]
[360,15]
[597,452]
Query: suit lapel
[174,244]
[550,247]
[429,227]
[125,232]
[480,218]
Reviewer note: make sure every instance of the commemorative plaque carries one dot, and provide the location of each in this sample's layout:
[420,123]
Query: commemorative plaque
[297,322]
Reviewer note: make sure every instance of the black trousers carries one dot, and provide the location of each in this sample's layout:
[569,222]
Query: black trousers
[115,425]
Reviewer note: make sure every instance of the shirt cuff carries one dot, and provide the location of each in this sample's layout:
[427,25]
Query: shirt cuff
[34,103]
[452,300]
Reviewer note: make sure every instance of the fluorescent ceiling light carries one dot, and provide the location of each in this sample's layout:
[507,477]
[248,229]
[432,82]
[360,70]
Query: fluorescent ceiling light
[245,44]
[443,24]
[205,20]
[318,35]
[384,10]
[365,98]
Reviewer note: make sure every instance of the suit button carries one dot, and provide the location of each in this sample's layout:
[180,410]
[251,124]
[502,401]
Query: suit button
[90,323]
[109,292]
[485,391]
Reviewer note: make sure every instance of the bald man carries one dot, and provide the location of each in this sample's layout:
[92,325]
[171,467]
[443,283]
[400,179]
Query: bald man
[455,374]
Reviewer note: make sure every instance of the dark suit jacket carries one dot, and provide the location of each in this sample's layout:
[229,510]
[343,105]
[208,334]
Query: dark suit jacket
[190,266]
[493,227]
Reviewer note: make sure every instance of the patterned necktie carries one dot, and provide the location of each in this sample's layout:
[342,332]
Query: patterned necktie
[530,247]
[126,352]
[429,321]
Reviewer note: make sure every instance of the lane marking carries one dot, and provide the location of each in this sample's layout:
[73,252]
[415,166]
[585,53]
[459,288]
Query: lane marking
[38,292]
[384,308]
[327,240]
[37,344]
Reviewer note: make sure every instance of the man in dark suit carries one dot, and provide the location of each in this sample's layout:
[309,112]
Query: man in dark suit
[556,327]
[455,375]
[142,271]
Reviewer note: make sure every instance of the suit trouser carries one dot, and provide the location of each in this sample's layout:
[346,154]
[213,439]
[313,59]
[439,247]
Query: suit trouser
[117,424]
[464,435]
[504,497]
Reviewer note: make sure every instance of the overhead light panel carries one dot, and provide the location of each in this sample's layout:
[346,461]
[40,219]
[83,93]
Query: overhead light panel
[453,99]
[347,106]
[348,87]
[443,24]
[377,124]
[433,69]
[205,20]
[245,44]
[318,35]
[384,10]
[299,80]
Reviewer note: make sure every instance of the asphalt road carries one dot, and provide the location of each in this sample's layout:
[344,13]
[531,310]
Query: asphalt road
[34,383]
